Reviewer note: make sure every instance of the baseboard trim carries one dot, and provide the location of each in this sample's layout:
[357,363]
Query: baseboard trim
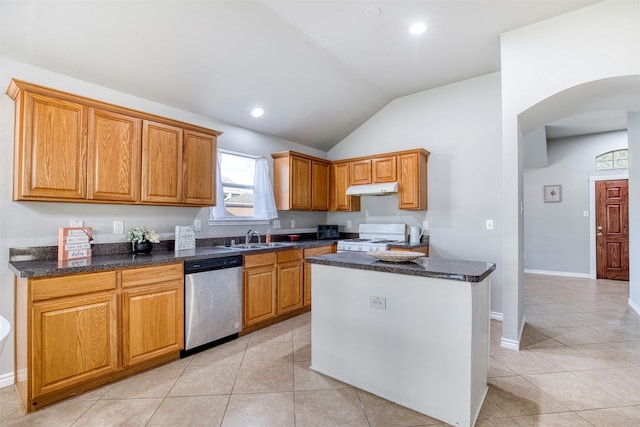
[635,307]
[514,344]
[559,273]
[6,379]
[494,315]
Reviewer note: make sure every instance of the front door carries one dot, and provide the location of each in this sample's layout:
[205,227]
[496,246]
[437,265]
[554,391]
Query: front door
[612,229]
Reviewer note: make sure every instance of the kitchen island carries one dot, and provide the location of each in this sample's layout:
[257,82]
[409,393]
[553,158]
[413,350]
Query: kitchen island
[415,333]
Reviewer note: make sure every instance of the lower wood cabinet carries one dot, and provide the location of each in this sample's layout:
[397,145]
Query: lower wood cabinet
[77,332]
[259,288]
[152,312]
[272,287]
[290,271]
[320,250]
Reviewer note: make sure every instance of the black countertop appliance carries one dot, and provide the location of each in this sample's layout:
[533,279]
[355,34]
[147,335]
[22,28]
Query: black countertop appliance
[328,232]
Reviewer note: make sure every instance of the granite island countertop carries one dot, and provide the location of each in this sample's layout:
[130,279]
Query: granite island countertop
[466,271]
[52,267]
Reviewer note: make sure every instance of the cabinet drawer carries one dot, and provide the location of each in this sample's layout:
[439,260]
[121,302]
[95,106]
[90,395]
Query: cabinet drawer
[149,275]
[259,260]
[320,250]
[62,286]
[287,256]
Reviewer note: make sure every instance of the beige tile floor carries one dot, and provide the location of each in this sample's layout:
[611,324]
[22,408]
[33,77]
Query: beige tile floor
[579,366]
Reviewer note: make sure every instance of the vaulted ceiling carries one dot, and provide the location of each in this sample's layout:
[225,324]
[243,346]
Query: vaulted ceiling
[318,68]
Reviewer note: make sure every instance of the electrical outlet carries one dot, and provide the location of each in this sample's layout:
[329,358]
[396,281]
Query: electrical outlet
[276,224]
[349,224]
[377,302]
[197,225]
[585,214]
[118,226]
[76,223]
[293,223]
[425,225]
[489,224]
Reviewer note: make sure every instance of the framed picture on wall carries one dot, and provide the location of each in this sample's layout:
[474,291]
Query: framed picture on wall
[552,193]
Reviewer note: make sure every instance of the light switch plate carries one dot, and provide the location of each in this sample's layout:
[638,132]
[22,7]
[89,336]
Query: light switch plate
[76,223]
[489,224]
[197,225]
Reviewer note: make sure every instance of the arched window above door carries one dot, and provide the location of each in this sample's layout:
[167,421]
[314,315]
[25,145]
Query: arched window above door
[616,159]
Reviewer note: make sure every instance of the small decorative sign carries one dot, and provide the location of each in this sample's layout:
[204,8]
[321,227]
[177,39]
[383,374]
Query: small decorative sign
[74,243]
[185,238]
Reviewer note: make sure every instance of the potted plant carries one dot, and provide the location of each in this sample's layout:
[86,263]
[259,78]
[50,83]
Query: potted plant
[142,239]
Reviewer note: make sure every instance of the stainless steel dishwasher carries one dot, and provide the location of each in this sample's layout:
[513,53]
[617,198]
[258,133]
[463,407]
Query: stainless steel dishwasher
[213,302]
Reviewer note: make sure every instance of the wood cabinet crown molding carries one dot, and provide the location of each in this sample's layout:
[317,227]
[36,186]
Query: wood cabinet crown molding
[16,86]
[72,148]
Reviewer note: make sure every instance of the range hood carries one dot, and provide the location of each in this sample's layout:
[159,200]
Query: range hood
[381,189]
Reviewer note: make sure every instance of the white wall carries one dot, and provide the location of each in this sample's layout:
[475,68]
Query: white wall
[595,44]
[36,223]
[633,120]
[459,124]
[556,235]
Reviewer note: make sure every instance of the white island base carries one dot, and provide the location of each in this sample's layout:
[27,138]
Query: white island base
[427,349]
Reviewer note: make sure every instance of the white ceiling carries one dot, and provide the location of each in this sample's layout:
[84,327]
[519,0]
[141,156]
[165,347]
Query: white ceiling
[318,68]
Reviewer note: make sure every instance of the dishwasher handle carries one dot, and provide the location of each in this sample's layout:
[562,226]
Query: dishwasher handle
[209,264]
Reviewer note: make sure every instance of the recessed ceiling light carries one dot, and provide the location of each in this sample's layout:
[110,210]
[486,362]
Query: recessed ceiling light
[257,112]
[372,12]
[417,28]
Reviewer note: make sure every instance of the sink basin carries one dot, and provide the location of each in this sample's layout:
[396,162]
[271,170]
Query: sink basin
[5,328]
[249,246]
[275,244]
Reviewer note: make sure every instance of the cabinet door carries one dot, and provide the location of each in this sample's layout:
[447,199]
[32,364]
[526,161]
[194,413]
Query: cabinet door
[412,191]
[74,340]
[300,184]
[360,172]
[113,167]
[319,186]
[322,250]
[199,163]
[290,294]
[339,184]
[383,169]
[161,163]
[51,149]
[152,321]
[259,294]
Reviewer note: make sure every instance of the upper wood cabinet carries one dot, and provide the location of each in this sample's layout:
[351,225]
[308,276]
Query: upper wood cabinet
[373,170]
[114,156]
[50,148]
[71,148]
[199,167]
[300,182]
[339,179]
[383,169]
[161,163]
[412,185]
[360,172]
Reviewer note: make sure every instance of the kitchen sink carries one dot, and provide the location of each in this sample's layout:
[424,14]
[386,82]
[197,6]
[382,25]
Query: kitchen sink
[274,244]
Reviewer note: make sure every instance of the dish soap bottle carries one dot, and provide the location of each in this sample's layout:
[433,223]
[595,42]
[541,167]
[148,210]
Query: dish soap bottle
[268,237]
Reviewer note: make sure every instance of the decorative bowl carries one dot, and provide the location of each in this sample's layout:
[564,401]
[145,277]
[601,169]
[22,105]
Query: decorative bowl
[395,256]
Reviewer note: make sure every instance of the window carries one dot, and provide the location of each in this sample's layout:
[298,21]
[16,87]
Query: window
[243,189]
[617,159]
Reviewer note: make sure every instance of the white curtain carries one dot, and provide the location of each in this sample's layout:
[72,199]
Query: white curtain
[219,210]
[264,204]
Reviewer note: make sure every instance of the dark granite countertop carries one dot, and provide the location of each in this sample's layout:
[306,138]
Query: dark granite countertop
[53,267]
[465,271]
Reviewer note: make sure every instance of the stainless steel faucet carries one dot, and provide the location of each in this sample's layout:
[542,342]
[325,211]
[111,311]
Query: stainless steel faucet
[250,234]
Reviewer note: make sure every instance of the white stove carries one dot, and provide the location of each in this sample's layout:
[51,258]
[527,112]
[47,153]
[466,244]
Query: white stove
[374,237]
